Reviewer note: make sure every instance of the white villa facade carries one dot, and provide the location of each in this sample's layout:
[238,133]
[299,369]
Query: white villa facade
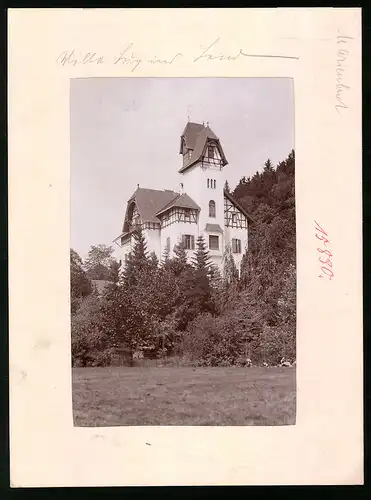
[200,207]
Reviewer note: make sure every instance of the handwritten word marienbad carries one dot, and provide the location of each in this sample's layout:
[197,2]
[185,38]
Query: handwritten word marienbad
[130,58]
[342,55]
[325,263]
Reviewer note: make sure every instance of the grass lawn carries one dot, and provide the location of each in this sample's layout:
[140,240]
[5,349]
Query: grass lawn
[183,396]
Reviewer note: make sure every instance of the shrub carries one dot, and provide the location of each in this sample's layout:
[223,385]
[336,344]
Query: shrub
[90,345]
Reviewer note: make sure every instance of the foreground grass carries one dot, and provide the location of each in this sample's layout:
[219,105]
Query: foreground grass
[183,396]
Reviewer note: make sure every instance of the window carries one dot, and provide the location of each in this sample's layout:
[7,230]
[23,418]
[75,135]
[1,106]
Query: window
[210,151]
[187,214]
[212,209]
[234,218]
[208,183]
[188,241]
[214,184]
[214,242]
[236,245]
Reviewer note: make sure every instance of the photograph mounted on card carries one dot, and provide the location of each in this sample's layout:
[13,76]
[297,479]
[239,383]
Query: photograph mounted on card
[185,193]
[183,304]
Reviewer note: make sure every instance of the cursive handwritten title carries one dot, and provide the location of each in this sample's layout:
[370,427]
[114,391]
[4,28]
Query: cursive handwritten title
[130,58]
[325,263]
[342,55]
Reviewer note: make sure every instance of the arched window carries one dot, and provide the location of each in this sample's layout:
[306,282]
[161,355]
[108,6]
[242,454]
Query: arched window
[212,208]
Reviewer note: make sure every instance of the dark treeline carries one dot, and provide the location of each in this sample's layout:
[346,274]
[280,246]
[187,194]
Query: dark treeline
[187,310]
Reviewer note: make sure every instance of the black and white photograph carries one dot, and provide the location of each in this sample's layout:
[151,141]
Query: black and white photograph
[183,251]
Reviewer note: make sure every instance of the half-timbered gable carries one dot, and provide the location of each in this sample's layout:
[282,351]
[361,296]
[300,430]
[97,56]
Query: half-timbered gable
[233,217]
[181,209]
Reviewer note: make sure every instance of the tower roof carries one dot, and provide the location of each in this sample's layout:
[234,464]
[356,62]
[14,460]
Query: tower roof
[190,133]
[195,137]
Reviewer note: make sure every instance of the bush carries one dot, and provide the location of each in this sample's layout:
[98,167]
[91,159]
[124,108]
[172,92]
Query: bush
[216,341]
[90,345]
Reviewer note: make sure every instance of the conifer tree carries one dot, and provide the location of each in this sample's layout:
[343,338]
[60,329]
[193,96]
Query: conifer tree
[137,260]
[244,275]
[201,259]
[153,261]
[230,272]
[165,256]
[180,261]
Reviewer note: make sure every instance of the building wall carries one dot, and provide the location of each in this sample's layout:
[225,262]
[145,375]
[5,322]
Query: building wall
[153,239]
[175,232]
[195,184]
[240,234]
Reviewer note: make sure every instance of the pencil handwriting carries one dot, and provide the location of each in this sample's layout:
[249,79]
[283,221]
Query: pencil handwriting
[208,53]
[130,58]
[342,56]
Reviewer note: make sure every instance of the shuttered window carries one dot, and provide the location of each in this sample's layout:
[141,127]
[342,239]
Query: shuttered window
[214,242]
[236,245]
[188,241]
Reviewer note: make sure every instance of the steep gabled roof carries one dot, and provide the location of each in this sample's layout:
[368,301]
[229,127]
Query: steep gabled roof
[182,201]
[189,135]
[238,205]
[149,202]
[198,137]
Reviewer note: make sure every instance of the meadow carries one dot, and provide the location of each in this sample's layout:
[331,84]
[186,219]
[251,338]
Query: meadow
[114,396]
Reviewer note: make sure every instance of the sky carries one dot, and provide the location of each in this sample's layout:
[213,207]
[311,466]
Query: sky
[126,131]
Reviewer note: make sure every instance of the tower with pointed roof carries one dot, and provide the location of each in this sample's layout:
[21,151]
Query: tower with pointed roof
[201,207]
[202,175]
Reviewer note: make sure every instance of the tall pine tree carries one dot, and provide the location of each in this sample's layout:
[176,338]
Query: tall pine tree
[201,259]
[137,260]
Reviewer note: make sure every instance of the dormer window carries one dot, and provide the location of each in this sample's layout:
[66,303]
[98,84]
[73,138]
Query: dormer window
[210,151]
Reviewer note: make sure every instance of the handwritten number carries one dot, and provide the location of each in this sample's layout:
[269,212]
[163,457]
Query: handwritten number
[327,262]
[327,252]
[319,228]
[327,271]
[322,238]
